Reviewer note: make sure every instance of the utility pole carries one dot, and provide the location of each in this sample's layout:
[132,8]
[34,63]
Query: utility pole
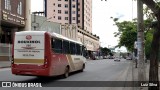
[140,42]
[28,15]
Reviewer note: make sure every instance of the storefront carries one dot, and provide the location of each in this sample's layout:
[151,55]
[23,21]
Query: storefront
[12,19]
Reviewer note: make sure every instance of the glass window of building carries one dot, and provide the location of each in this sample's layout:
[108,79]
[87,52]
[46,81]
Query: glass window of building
[66,12]
[73,6]
[78,21]
[59,17]
[8,4]
[66,18]
[73,12]
[66,6]
[59,11]
[59,5]
[74,18]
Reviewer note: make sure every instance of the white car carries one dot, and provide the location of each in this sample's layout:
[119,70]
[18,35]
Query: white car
[117,59]
[128,58]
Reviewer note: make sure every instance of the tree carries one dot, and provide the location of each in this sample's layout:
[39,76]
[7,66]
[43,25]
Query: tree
[153,73]
[148,40]
[127,34]
[105,51]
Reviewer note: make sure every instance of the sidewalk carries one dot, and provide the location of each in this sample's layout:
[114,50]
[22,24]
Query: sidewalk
[135,75]
[5,64]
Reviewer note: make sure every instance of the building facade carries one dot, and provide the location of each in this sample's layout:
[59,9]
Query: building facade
[12,19]
[75,17]
[70,12]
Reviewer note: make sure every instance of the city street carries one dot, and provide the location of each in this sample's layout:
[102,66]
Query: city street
[96,70]
[45,44]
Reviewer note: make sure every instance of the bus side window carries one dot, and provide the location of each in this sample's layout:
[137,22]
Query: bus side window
[78,50]
[81,50]
[72,48]
[57,46]
[66,48]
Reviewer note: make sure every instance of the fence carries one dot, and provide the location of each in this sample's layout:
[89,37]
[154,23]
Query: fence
[5,51]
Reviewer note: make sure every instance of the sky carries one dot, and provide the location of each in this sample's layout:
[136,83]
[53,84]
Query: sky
[102,24]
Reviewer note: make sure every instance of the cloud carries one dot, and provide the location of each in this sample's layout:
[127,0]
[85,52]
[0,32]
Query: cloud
[119,15]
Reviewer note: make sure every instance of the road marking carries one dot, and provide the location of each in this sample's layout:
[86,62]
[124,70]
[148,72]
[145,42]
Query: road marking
[4,69]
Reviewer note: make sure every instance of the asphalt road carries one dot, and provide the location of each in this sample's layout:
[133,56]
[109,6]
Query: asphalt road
[96,71]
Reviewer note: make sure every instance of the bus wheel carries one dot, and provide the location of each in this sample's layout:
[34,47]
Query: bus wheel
[66,73]
[83,67]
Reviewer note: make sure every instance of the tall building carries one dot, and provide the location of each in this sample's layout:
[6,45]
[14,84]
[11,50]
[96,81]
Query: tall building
[75,16]
[70,12]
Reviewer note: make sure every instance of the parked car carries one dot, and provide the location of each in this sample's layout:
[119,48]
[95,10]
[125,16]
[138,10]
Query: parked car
[128,58]
[104,57]
[110,57]
[117,59]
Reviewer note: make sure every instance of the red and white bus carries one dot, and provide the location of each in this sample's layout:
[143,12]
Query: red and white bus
[40,53]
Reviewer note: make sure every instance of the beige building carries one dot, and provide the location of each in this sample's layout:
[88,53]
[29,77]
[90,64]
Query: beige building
[75,17]
[71,12]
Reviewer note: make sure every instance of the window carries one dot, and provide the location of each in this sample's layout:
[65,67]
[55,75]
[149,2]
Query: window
[8,5]
[59,11]
[59,5]
[66,48]
[74,18]
[78,49]
[66,12]
[78,21]
[19,8]
[66,0]
[72,48]
[73,12]
[56,45]
[59,0]
[66,18]
[66,6]
[59,17]
[73,6]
